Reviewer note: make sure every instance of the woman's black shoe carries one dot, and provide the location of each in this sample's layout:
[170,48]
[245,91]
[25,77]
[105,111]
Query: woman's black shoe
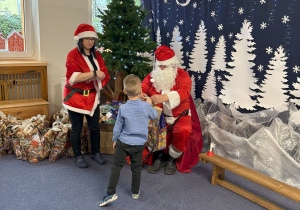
[80,162]
[98,158]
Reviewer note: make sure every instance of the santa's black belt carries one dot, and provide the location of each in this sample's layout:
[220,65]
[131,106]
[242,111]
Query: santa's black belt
[76,90]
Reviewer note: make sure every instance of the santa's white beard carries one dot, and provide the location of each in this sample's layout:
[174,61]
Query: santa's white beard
[164,80]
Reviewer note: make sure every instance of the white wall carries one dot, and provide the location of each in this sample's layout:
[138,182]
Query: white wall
[58,20]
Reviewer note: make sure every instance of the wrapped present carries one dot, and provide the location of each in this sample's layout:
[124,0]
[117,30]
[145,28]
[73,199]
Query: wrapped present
[157,132]
[109,112]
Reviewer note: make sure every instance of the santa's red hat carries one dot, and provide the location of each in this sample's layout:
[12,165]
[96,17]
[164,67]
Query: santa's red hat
[165,56]
[84,31]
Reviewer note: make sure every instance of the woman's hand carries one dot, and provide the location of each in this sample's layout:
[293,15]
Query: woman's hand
[100,74]
[114,145]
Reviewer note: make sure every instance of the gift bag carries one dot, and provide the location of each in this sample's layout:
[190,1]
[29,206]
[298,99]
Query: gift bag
[2,130]
[109,112]
[157,132]
[60,143]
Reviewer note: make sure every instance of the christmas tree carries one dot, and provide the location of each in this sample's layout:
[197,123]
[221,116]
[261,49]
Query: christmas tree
[124,39]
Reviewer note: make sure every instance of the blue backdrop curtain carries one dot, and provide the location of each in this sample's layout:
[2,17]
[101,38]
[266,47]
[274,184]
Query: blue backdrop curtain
[274,23]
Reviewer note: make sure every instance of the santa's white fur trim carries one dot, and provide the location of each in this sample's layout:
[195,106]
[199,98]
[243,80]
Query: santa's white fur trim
[73,78]
[173,153]
[86,34]
[169,62]
[174,99]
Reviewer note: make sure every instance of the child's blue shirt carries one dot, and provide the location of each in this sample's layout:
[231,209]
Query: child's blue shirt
[131,126]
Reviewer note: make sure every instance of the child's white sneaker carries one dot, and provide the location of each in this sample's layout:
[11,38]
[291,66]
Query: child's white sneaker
[136,196]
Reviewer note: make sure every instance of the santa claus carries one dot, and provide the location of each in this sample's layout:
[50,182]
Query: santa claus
[170,87]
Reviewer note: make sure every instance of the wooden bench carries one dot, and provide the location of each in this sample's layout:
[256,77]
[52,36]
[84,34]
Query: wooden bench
[221,164]
[23,88]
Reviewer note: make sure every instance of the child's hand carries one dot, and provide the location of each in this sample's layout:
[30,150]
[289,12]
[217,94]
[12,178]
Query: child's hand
[114,145]
[149,101]
[143,96]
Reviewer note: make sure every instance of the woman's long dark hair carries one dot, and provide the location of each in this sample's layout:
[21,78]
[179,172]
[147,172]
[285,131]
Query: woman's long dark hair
[80,47]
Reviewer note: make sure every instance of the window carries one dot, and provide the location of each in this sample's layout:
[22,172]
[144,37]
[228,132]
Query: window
[102,5]
[16,37]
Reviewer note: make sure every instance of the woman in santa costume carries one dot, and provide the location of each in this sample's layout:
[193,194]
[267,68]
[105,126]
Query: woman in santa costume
[170,87]
[86,76]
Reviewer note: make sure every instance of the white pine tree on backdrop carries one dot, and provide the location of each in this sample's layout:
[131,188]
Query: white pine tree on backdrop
[242,82]
[193,90]
[275,84]
[158,37]
[176,45]
[296,92]
[199,53]
[219,59]
[209,89]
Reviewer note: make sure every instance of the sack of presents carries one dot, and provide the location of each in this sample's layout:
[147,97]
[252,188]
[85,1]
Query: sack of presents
[34,139]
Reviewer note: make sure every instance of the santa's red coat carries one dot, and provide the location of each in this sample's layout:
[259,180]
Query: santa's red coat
[180,100]
[76,64]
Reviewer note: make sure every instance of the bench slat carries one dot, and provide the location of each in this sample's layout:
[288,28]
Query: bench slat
[247,173]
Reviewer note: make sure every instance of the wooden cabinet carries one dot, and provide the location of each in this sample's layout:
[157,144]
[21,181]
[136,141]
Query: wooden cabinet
[24,88]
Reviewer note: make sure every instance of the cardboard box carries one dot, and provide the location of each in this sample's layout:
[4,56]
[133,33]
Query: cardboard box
[106,143]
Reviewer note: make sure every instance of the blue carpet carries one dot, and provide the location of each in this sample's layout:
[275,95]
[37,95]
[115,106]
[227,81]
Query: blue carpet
[61,185]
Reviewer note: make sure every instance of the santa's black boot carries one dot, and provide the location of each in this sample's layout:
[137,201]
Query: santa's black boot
[159,163]
[170,166]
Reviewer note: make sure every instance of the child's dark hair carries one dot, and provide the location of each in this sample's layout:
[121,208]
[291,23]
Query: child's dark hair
[80,47]
[132,85]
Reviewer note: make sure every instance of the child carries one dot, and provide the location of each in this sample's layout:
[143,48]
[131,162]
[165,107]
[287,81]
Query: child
[129,136]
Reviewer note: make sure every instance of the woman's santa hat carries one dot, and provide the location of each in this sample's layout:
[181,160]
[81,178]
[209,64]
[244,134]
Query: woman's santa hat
[165,56]
[84,31]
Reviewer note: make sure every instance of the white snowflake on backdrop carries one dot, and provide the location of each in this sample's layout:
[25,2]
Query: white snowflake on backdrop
[238,153]
[263,114]
[219,78]
[150,20]
[296,69]
[213,13]
[199,77]
[212,39]
[181,22]
[263,25]
[157,20]
[187,53]
[168,34]
[166,1]
[289,181]
[260,68]
[165,21]
[241,11]
[257,142]
[269,50]
[209,0]
[230,35]
[270,160]
[195,5]
[220,27]
[187,38]
[262,1]
[285,19]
